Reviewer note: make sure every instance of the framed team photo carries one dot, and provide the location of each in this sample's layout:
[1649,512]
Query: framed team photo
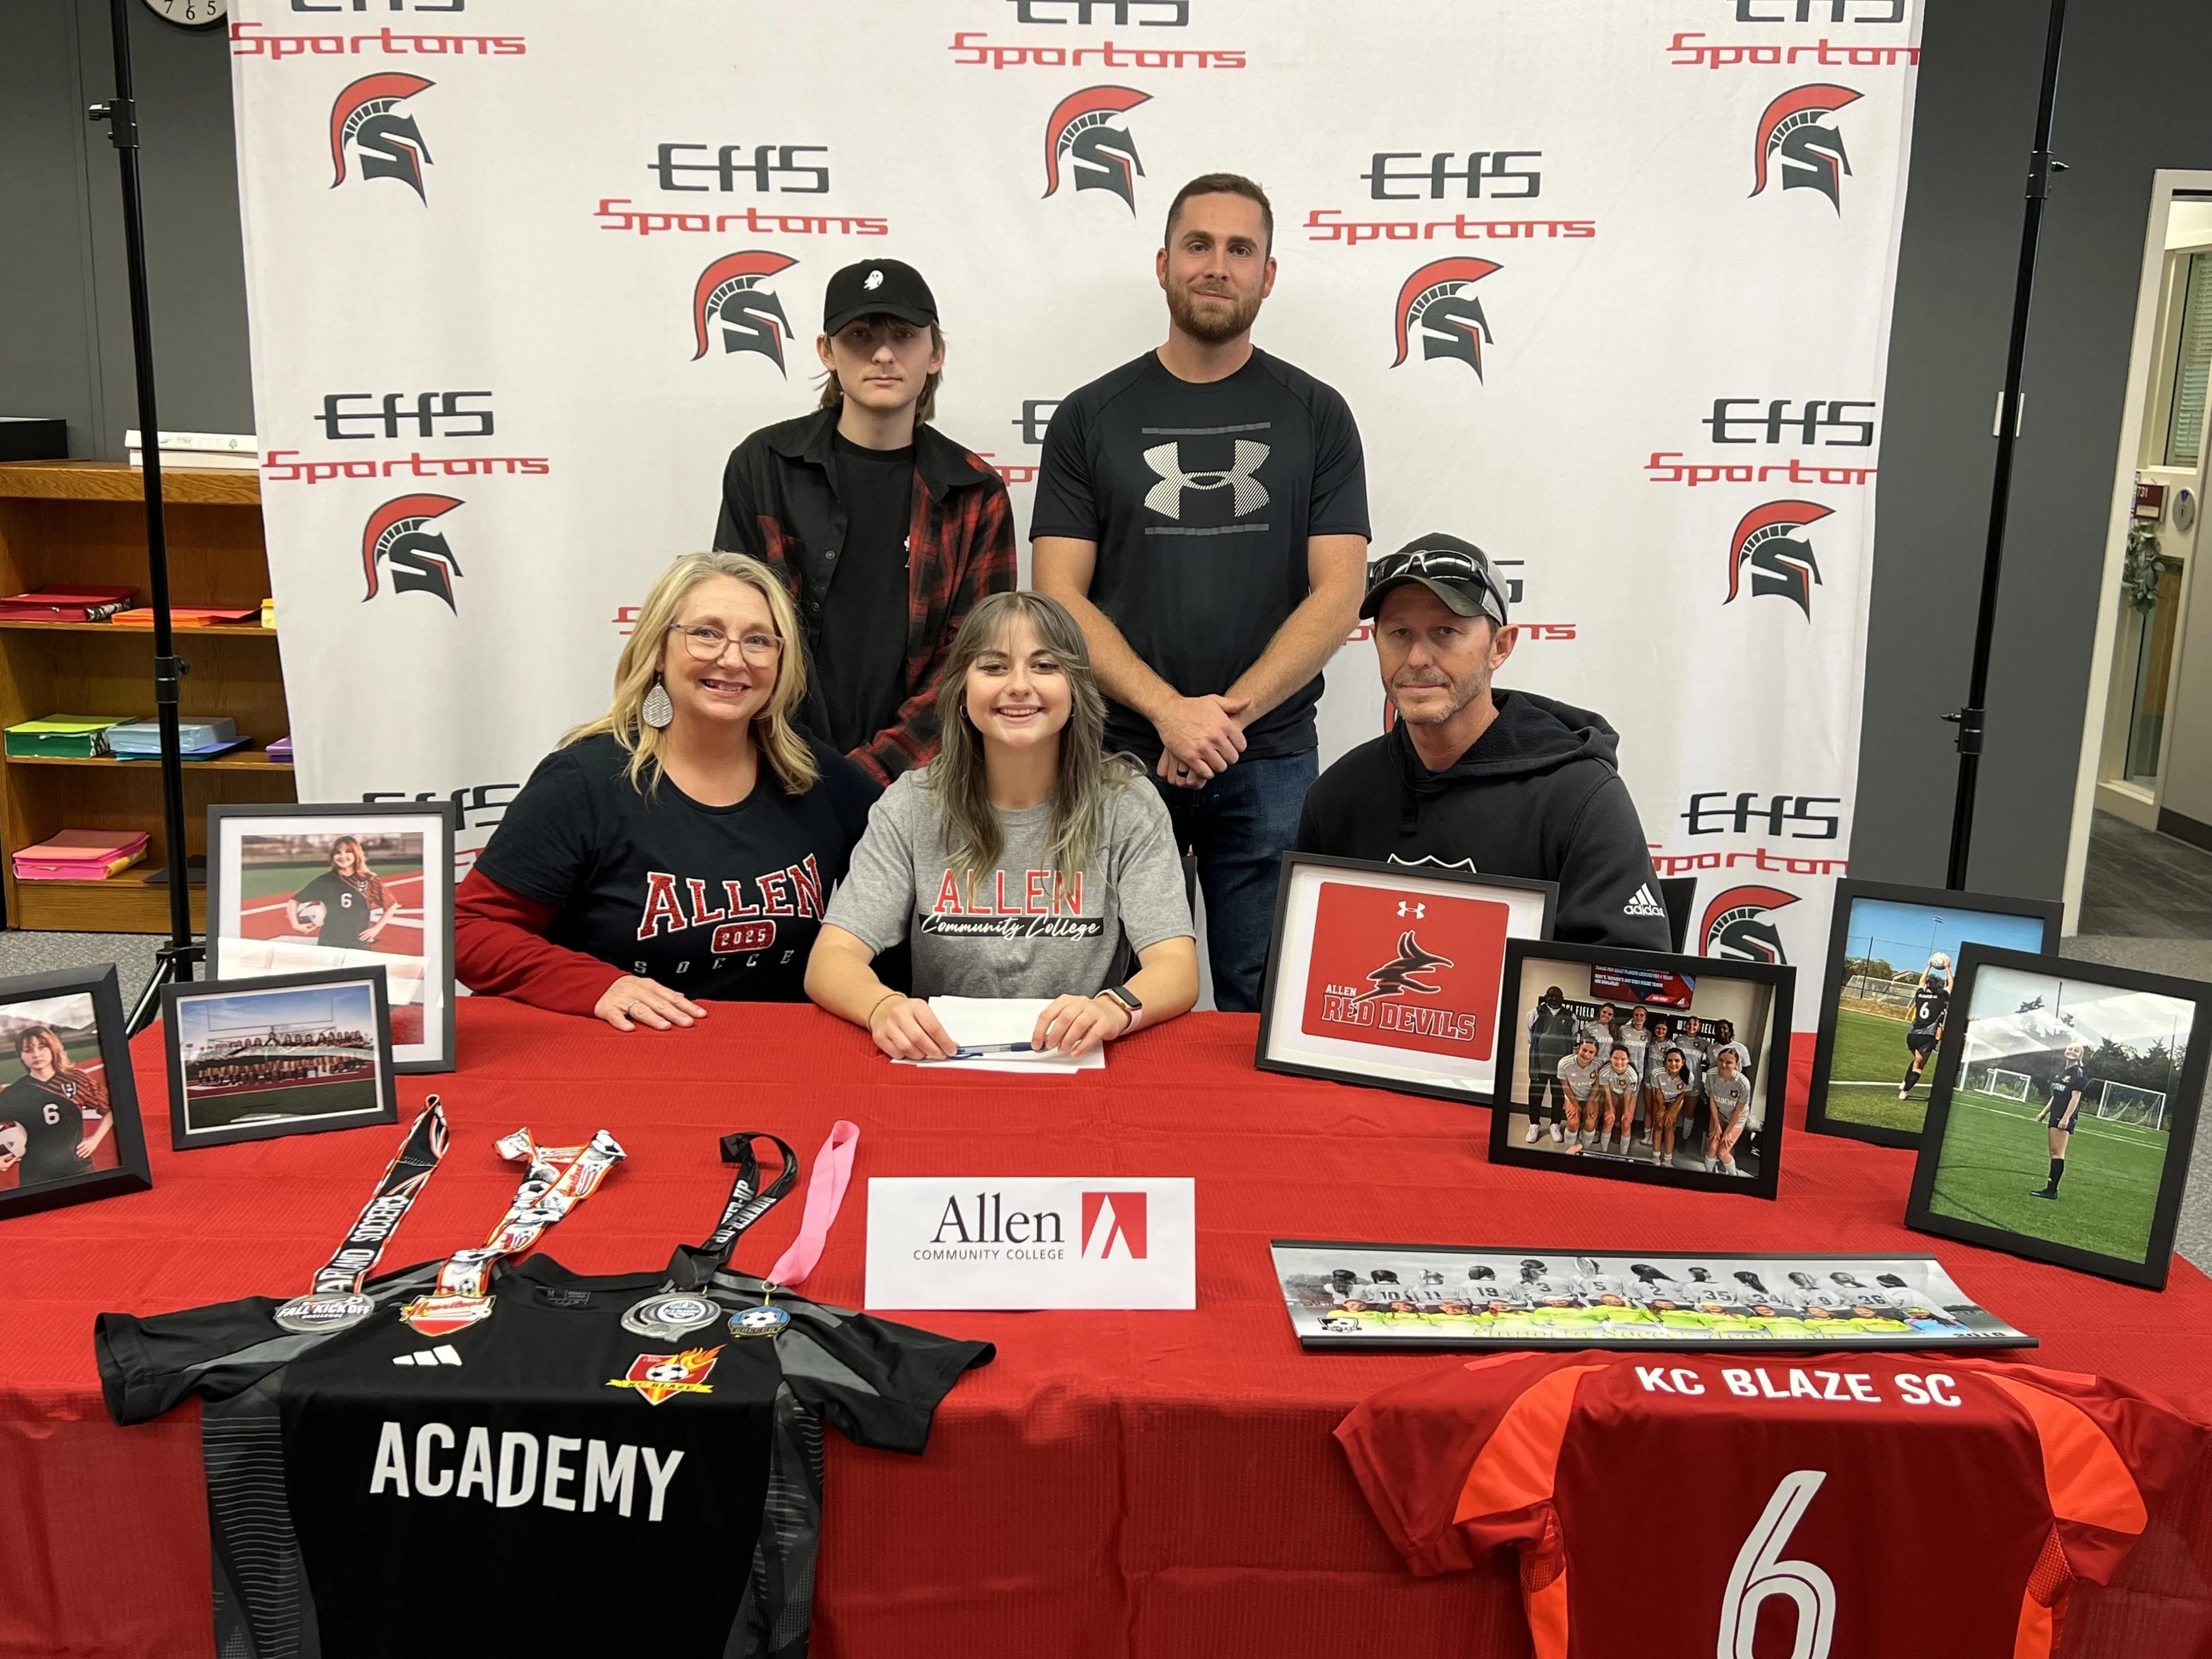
[2064,1112]
[1389,977]
[1893,959]
[1345,1296]
[307,889]
[288,1055]
[1638,1066]
[68,1106]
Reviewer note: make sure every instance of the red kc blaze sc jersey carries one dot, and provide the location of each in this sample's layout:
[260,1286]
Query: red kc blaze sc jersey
[1844,1505]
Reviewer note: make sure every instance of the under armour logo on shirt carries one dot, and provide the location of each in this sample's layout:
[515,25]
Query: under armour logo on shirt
[1417,911]
[1248,494]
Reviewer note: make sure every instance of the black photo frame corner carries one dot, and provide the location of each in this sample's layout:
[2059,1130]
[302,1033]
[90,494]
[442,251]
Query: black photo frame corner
[2153,1271]
[1779,978]
[1849,891]
[183,1138]
[132,1173]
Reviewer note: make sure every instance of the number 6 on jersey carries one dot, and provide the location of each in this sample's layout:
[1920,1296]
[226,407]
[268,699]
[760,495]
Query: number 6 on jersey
[1759,1574]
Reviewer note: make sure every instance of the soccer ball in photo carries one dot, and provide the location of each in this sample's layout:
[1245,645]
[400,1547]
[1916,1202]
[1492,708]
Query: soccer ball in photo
[14,1141]
[311,915]
[1940,964]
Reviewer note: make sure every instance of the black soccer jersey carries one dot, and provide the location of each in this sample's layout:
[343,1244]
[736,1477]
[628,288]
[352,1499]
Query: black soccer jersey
[2071,1081]
[345,909]
[541,1482]
[1930,1005]
[53,1123]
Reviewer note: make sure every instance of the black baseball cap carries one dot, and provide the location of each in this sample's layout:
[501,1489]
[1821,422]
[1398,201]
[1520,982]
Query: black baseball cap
[878,287]
[1456,572]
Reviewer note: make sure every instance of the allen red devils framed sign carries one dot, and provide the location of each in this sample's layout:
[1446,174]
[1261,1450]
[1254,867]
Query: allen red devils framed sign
[1389,975]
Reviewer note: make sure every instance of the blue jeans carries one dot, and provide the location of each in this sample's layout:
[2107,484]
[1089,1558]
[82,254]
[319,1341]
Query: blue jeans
[1240,824]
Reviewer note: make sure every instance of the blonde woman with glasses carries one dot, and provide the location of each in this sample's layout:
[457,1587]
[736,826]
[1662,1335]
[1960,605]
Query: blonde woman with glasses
[679,849]
[1018,861]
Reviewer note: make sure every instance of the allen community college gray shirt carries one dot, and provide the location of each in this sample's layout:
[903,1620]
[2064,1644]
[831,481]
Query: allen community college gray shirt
[1730,1094]
[1017,930]
[1579,1078]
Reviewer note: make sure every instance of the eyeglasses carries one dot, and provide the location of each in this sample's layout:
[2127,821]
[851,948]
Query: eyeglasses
[1443,564]
[706,644]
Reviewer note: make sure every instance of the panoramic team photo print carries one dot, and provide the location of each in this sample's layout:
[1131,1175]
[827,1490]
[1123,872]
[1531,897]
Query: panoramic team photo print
[2064,1110]
[252,1060]
[1893,959]
[1643,1066]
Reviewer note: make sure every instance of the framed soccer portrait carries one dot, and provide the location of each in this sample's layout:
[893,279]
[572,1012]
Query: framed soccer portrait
[1893,961]
[1389,975]
[307,889]
[286,1054]
[2064,1112]
[1638,1066]
[68,1107]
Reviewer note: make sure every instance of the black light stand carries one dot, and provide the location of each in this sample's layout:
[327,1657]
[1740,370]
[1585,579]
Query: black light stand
[174,960]
[1971,719]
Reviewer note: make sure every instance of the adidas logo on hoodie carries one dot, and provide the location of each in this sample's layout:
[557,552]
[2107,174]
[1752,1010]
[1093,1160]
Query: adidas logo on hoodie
[1644,904]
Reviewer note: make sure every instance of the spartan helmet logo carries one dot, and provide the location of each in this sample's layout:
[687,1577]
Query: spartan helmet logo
[1735,924]
[421,562]
[1402,973]
[1768,540]
[1451,322]
[1811,154]
[389,145]
[728,293]
[1247,493]
[1101,154]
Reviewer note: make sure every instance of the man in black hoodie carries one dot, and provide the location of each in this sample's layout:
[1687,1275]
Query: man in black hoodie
[1504,783]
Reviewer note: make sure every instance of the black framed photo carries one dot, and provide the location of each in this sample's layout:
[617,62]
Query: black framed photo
[1345,1296]
[287,1055]
[1893,961]
[1389,975]
[68,1107]
[1640,1065]
[309,888]
[2064,1112]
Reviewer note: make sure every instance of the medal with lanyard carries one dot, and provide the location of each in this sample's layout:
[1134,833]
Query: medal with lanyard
[336,1300]
[560,1178]
[673,1312]
[825,1194]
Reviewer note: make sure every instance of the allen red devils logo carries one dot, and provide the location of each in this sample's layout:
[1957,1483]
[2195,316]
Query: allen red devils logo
[1101,154]
[1114,1226]
[420,560]
[1734,925]
[728,294]
[660,1376]
[1435,298]
[1406,970]
[389,146]
[1767,539]
[1811,154]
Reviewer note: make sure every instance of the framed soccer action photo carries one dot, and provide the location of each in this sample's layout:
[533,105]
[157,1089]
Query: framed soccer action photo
[292,1053]
[69,1107]
[1643,1066]
[1389,977]
[2064,1112]
[1893,959]
[306,889]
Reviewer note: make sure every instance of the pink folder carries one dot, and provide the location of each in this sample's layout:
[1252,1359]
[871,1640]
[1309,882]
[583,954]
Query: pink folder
[80,855]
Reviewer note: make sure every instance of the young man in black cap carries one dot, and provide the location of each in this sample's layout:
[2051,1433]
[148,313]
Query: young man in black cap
[888,531]
[1506,783]
[1202,511]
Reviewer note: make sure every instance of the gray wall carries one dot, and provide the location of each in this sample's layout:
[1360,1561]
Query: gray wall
[65,318]
[2127,103]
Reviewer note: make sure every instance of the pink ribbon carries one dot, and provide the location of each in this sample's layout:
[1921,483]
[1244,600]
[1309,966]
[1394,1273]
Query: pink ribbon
[825,1194]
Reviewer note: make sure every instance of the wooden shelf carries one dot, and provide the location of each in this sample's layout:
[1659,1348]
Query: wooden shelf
[81,524]
[253,760]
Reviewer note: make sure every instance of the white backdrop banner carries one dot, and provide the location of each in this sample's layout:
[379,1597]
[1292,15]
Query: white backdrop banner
[1607,287]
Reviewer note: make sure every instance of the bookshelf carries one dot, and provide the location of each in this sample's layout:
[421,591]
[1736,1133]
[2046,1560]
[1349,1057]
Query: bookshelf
[84,522]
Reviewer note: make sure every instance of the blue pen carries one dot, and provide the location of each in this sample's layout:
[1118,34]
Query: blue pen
[977,1050]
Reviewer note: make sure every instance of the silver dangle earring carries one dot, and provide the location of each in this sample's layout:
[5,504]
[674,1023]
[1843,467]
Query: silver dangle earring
[657,711]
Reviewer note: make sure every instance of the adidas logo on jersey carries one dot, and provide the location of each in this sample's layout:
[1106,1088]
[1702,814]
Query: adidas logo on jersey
[1644,904]
[443,1354]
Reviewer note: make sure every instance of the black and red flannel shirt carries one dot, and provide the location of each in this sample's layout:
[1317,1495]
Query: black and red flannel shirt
[779,504]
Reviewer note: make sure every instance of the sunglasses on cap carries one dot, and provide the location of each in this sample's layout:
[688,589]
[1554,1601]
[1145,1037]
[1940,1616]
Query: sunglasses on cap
[1463,579]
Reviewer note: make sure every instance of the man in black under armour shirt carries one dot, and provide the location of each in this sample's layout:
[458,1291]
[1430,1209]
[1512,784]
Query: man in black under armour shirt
[1202,510]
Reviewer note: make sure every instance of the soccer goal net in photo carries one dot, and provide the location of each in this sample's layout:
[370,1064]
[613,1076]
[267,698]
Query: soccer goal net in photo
[2124,1102]
[2006,1086]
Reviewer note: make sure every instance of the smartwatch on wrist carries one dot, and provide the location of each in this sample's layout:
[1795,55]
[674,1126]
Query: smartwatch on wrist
[1131,1005]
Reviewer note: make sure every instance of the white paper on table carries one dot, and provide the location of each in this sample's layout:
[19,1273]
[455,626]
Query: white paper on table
[973,1021]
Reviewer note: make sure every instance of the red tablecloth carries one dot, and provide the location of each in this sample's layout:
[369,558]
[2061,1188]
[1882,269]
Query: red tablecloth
[1117,1484]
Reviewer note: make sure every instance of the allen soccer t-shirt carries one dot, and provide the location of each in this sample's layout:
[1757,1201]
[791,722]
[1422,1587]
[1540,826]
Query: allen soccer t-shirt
[542,1482]
[1200,498]
[1855,1505]
[713,902]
